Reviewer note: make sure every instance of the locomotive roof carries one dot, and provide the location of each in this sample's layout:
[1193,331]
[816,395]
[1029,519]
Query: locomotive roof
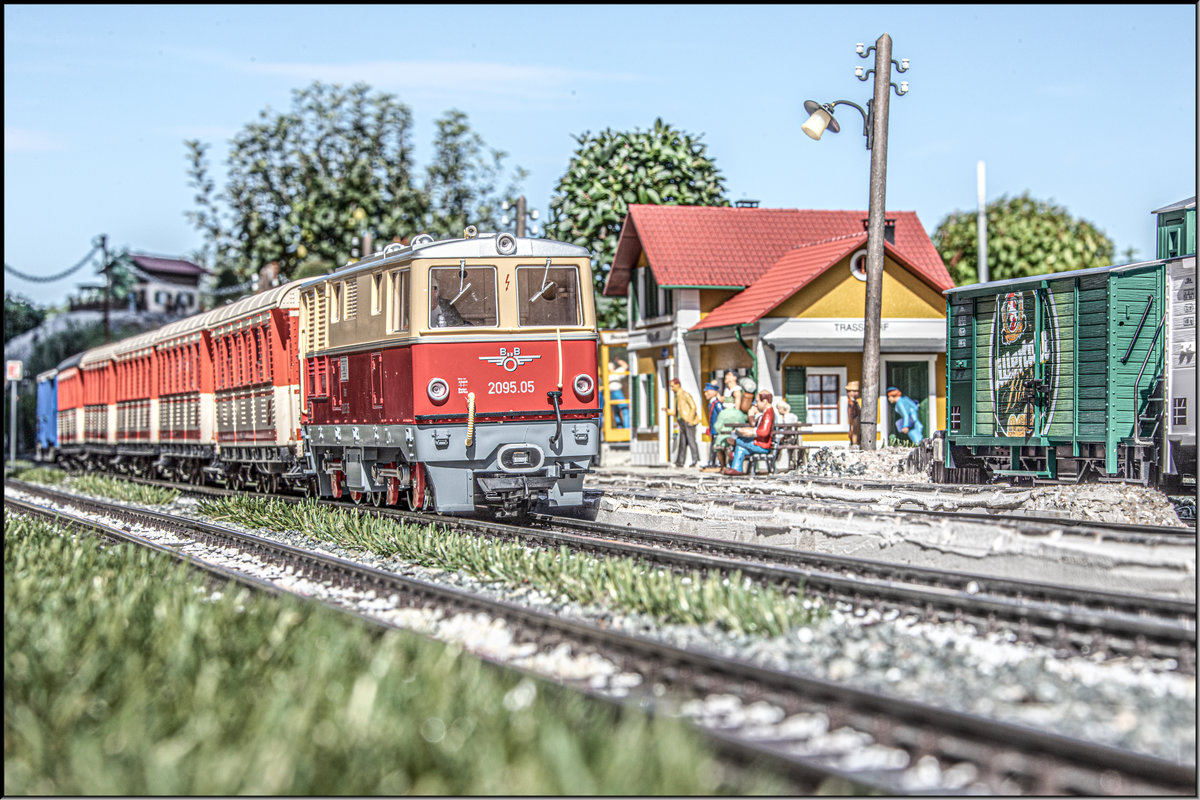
[1050,276]
[482,245]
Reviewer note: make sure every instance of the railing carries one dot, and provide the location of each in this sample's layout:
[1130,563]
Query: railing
[1137,438]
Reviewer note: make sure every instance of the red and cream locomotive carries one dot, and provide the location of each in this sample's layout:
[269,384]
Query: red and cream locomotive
[456,374]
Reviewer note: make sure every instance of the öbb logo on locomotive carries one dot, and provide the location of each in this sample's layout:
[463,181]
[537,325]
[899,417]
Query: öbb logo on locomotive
[510,361]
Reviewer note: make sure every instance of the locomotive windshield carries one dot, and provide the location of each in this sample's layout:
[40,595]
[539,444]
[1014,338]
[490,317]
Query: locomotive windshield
[461,296]
[548,295]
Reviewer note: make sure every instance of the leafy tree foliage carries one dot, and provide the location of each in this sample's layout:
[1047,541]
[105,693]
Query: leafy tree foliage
[303,184]
[1024,237]
[461,181]
[609,171]
[20,315]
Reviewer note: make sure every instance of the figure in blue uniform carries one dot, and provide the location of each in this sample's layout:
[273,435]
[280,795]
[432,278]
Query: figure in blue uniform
[909,422]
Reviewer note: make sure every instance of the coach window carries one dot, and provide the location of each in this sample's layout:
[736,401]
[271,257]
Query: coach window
[548,295]
[398,280]
[461,296]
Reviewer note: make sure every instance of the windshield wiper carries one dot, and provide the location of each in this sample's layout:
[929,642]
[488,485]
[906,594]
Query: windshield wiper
[462,276]
[545,286]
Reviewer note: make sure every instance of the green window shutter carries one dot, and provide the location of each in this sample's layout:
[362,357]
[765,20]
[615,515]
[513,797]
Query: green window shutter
[634,385]
[795,391]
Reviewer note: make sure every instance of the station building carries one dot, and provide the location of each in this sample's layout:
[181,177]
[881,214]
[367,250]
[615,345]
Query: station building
[778,295]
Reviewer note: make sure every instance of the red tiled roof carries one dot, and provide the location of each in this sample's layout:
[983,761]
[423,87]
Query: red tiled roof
[734,247]
[792,272]
[169,266]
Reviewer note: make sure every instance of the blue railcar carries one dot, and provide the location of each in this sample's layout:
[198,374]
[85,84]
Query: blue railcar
[46,436]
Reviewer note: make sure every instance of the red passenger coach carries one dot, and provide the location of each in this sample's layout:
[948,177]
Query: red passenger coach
[460,374]
[256,392]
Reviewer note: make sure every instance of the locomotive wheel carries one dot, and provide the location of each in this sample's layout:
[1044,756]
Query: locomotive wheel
[416,489]
[356,497]
[335,481]
[376,498]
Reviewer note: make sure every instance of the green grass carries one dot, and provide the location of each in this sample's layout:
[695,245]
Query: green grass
[47,476]
[101,486]
[122,677]
[730,602]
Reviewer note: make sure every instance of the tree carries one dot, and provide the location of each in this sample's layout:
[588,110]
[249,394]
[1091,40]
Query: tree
[461,180]
[1024,237]
[302,185]
[20,315]
[609,171]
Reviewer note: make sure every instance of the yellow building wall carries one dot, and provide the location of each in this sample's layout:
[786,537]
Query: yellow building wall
[837,293]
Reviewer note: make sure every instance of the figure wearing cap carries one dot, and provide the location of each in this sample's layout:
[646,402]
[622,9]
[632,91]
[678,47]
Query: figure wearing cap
[854,412]
[712,394]
[909,422]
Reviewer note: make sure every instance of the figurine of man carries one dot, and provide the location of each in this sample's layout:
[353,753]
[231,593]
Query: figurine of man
[909,422]
[854,413]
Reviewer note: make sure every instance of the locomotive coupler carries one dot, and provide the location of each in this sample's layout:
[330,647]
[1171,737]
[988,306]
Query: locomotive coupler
[556,398]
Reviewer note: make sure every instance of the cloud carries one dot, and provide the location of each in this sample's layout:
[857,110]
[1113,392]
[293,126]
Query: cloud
[23,140]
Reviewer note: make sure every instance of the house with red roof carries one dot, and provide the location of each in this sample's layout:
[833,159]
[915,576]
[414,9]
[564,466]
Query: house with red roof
[779,296]
[169,285]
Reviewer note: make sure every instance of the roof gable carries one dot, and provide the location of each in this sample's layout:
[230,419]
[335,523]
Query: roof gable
[791,273]
[733,247]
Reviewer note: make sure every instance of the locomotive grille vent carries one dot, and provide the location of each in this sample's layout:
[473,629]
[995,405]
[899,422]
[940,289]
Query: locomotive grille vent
[351,299]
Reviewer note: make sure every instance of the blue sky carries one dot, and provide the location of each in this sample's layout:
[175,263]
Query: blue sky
[1090,106]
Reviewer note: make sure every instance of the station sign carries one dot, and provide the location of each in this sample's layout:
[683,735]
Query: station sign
[15,370]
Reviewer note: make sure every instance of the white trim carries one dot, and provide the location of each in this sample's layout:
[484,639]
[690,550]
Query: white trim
[825,334]
[842,427]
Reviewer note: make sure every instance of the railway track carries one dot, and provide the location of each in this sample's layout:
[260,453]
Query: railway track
[1070,620]
[885,742]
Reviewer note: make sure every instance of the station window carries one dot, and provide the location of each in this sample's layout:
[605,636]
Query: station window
[547,295]
[822,398]
[462,296]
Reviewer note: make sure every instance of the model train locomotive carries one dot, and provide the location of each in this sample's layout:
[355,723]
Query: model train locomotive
[1077,374]
[464,379]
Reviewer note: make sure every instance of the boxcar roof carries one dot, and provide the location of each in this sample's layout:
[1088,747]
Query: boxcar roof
[47,375]
[272,298]
[1050,276]
[67,363]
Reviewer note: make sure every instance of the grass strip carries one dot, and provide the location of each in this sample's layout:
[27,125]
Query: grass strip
[733,602]
[101,486]
[123,676]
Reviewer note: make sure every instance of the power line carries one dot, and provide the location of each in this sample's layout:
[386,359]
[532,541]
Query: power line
[52,278]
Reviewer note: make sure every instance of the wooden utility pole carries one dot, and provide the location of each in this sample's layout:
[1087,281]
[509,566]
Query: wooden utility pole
[107,284]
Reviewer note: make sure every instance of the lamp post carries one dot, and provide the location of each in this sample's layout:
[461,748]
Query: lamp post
[875,125]
[519,215]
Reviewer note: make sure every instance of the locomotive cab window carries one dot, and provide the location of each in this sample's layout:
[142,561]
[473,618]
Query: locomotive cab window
[548,295]
[462,296]
[398,280]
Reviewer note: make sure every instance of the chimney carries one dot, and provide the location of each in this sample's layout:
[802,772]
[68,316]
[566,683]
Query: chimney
[889,229]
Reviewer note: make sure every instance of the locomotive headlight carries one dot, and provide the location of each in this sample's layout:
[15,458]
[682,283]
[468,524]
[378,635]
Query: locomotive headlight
[438,390]
[584,385]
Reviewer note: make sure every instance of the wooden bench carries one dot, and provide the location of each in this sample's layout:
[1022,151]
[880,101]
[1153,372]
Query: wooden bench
[787,437]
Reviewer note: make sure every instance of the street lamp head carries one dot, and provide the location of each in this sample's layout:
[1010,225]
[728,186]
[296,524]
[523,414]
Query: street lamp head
[820,118]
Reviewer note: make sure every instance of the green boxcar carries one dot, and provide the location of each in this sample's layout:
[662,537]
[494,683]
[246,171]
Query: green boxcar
[1059,375]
